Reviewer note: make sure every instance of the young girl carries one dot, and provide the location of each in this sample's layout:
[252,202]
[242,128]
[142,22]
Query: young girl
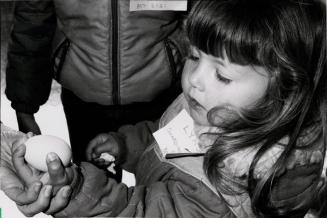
[255,87]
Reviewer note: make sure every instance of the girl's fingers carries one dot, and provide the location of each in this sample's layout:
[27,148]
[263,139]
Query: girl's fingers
[60,201]
[103,148]
[24,196]
[40,205]
[99,139]
[110,146]
[99,161]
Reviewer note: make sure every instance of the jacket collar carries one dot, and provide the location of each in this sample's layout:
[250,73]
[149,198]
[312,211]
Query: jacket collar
[236,165]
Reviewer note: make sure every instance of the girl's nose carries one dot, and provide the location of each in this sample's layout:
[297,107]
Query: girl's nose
[196,77]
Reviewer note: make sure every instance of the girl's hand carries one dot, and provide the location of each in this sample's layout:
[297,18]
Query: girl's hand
[103,143]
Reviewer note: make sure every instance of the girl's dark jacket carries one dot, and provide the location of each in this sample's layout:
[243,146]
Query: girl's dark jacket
[100,50]
[178,187]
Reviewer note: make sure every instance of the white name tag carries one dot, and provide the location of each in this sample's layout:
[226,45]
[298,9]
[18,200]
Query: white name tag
[178,136]
[158,5]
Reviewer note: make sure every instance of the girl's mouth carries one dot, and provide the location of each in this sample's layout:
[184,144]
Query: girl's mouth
[194,103]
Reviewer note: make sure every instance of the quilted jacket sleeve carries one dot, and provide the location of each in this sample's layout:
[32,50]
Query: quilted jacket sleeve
[168,195]
[163,191]
[28,75]
[135,139]
[100,195]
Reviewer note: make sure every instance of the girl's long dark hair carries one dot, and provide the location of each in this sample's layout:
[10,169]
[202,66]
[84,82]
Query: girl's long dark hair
[288,39]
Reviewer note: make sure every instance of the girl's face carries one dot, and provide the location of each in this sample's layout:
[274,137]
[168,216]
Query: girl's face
[210,82]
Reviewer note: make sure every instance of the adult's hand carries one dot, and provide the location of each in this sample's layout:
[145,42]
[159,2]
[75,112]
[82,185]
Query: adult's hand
[32,190]
[27,123]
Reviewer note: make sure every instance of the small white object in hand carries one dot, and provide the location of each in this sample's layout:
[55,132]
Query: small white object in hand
[37,148]
[109,158]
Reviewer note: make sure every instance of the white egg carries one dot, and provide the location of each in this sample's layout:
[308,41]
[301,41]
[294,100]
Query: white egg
[37,148]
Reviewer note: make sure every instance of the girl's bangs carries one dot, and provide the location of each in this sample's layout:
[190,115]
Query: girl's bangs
[218,30]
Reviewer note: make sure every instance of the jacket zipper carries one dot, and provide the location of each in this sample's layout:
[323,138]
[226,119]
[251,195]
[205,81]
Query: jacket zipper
[115,76]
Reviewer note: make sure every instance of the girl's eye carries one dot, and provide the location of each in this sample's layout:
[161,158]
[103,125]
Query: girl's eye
[223,79]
